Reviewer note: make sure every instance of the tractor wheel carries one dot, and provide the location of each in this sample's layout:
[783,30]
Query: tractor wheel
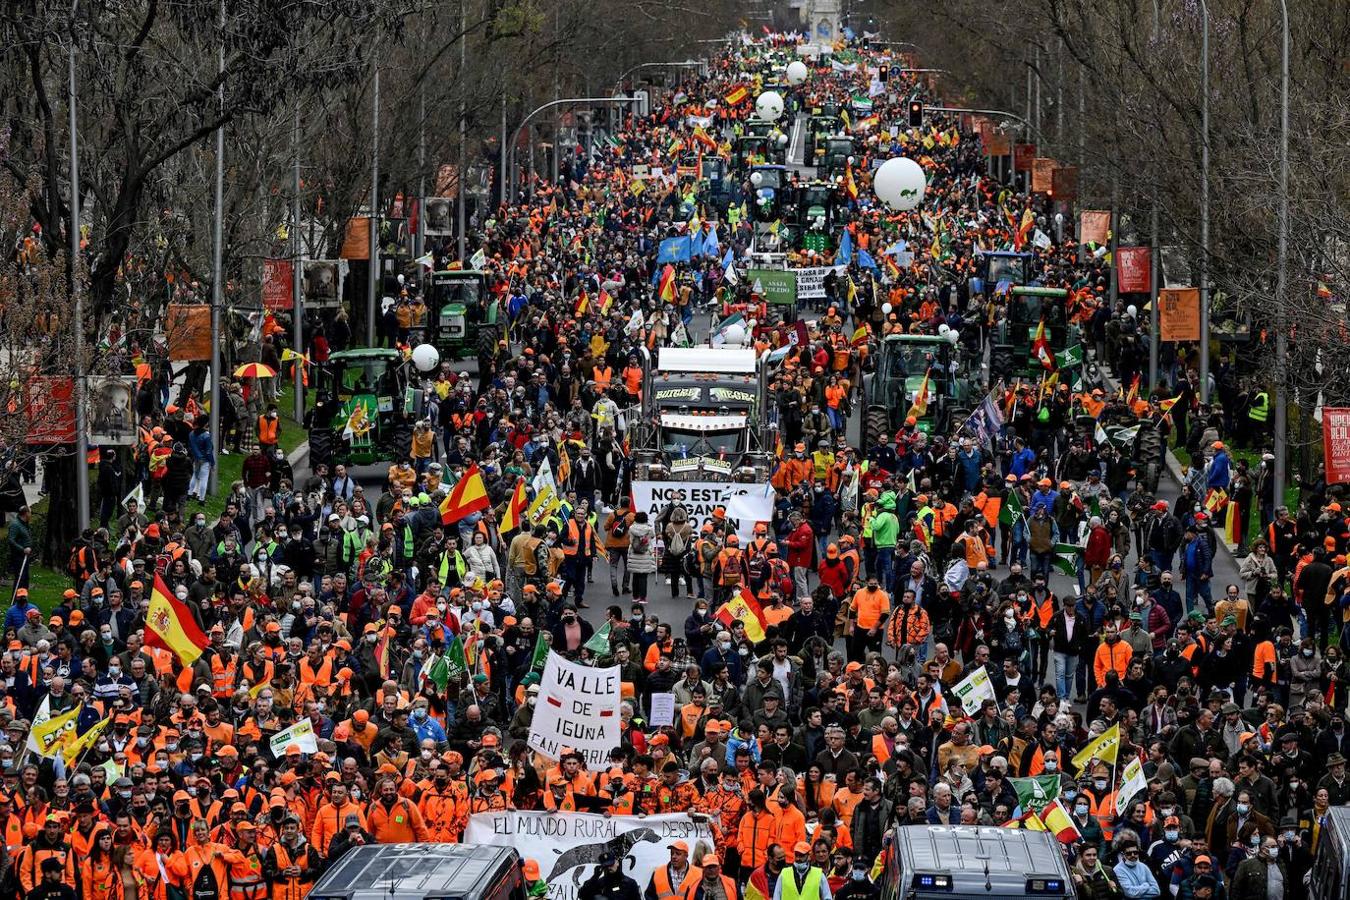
[876,428]
[487,341]
[1001,364]
[322,443]
[397,439]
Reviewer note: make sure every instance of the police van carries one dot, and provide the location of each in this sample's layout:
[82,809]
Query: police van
[1328,879]
[423,872]
[959,862]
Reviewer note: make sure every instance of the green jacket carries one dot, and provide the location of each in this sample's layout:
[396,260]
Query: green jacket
[885,530]
[20,535]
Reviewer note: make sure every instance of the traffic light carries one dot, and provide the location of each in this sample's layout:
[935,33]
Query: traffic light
[882,73]
[916,114]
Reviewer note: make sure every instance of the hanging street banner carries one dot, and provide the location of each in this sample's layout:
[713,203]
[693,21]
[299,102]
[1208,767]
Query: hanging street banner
[568,845]
[1179,314]
[578,710]
[1134,270]
[1336,443]
[745,504]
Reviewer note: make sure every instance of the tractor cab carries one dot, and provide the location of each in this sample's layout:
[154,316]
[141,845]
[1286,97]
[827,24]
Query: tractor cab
[1002,269]
[915,370]
[769,184]
[1030,309]
[838,151]
[463,310]
[813,216]
[373,419]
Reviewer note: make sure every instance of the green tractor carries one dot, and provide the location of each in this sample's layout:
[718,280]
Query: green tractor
[465,314]
[890,390]
[379,382]
[812,216]
[1012,356]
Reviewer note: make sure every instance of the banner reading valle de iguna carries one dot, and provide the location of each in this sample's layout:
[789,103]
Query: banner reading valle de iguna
[745,504]
[568,846]
[577,709]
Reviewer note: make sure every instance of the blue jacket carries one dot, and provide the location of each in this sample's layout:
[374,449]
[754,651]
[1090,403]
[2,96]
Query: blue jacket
[970,468]
[1219,476]
[1043,498]
[1023,461]
[201,446]
[736,742]
[1136,881]
[17,614]
[1198,560]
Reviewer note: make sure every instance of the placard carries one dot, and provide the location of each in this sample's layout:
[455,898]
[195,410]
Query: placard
[1024,155]
[974,689]
[1064,183]
[1336,443]
[745,504]
[663,710]
[301,734]
[577,710]
[568,845]
[1179,314]
[1094,226]
[1134,269]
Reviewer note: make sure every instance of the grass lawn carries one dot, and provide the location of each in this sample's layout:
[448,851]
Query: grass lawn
[47,585]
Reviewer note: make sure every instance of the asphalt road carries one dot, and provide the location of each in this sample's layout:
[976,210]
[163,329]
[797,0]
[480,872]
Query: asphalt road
[668,608]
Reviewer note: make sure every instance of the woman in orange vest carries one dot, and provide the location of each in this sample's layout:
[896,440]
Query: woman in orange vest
[155,867]
[204,867]
[99,876]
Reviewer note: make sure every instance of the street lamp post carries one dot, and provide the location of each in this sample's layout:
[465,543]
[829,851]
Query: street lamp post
[373,279]
[217,274]
[1155,261]
[77,296]
[1204,202]
[509,152]
[1281,331]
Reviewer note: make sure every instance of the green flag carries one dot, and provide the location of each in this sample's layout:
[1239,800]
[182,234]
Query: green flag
[1066,558]
[1012,509]
[599,642]
[456,665]
[540,654]
[1069,357]
[1035,794]
[439,674]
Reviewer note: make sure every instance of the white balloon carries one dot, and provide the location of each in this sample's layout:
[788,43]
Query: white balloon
[1132,311]
[756,179]
[944,328]
[769,106]
[400,279]
[782,139]
[886,308]
[797,72]
[425,357]
[900,183]
[735,333]
[952,336]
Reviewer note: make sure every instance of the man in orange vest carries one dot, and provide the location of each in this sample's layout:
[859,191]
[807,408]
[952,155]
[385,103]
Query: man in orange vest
[393,819]
[674,879]
[578,546]
[292,864]
[269,429]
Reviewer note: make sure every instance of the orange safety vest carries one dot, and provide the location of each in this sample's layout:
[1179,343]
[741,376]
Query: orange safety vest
[222,677]
[728,887]
[290,888]
[604,375]
[663,889]
[880,749]
[267,430]
[729,559]
[323,676]
[576,538]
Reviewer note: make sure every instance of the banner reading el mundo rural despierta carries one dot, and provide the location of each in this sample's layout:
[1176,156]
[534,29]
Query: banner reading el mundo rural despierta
[745,504]
[567,846]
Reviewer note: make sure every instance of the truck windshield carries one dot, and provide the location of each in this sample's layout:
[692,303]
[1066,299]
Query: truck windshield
[770,178]
[365,377]
[905,360]
[681,443]
[1011,268]
[455,290]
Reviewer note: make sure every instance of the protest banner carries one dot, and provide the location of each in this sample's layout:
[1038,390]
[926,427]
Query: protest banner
[1042,175]
[1064,183]
[578,709]
[663,710]
[774,285]
[187,328]
[974,689]
[49,408]
[1336,443]
[356,241]
[568,846]
[811,281]
[301,734]
[745,504]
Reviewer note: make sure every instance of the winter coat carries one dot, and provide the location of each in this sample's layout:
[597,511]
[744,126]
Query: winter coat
[639,536]
[481,559]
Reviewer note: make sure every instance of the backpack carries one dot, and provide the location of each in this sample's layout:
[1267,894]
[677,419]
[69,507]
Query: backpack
[676,545]
[642,545]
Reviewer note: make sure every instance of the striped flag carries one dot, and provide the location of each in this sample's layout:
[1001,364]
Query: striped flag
[737,95]
[515,509]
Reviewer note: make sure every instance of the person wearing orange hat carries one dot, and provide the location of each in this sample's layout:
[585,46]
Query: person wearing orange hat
[675,878]
[393,819]
[204,867]
[801,881]
[332,814]
[711,881]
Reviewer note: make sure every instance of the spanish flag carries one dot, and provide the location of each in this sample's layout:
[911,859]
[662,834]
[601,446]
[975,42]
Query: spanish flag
[468,496]
[1166,406]
[702,137]
[1059,823]
[920,407]
[515,509]
[1024,229]
[665,291]
[744,608]
[169,625]
[850,186]
[606,301]
[1040,347]
[737,95]
[583,303]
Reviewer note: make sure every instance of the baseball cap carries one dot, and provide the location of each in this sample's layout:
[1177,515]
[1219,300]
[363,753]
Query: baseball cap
[711,859]
[679,845]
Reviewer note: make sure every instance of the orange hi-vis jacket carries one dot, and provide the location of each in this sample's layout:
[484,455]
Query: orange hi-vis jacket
[400,823]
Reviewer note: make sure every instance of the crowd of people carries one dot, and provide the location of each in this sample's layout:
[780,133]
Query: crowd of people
[887,574]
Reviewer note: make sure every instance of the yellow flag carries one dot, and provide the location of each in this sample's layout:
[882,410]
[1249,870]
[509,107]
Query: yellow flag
[75,746]
[257,689]
[49,738]
[1104,748]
